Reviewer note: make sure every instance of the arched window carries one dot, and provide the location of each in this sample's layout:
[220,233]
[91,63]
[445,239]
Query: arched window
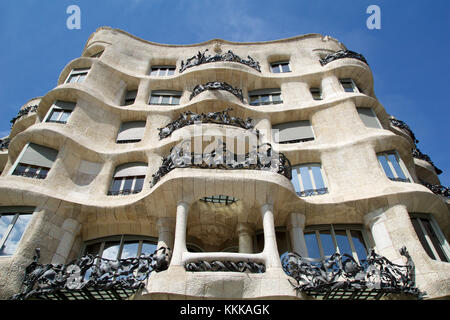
[128,179]
[120,246]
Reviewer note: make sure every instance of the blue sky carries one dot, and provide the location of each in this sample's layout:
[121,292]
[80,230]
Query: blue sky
[408,55]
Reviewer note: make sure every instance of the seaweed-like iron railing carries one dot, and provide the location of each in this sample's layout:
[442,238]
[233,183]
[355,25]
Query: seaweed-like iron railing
[23,112]
[437,189]
[90,272]
[189,118]
[217,85]
[4,143]
[226,266]
[416,153]
[202,58]
[342,54]
[263,157]
[342,272]
[402,125]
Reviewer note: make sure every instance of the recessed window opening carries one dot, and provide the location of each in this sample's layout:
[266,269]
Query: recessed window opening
[369,118]
[349,85]
[60,112]
[77,75]
[393,166]
[130,97]
[161,71]
[128,179]
[308,180]
[165,97]
[316,93]
[219,199]
[293,132]
[35,161]
[265,97]
[280,67]
[12,227]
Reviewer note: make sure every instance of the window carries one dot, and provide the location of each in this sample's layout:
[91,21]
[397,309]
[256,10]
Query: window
[161,97]
[60,112]
[265,97]
[12,228]
[35,162]
[393,166]
[98,54]
[349,85]
[128,179]
[77,75]
[220,199]
[131,132]
[130,97]
[369,118]
[293,132]
[308,180]
[121,247]
[431,237]
[325,240]
[316,93]
[161,71]
[280,67]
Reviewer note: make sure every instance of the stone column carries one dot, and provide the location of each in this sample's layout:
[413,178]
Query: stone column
[375,221]
[166,232]
[245,232]
[270,240]
[179,246]
[70,230]
[296,225]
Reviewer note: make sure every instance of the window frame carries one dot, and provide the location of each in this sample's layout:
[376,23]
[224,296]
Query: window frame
[352,82]
[315,191]
[18,162]
[269,93]
[77,72]
[125,192]
[392,168]
[175,94]
[300,140]
[348,228]
[279,65]
[160,68]
[444,245]
[316,89]
[126,100]
[374,115]
[121,239]
[16,213]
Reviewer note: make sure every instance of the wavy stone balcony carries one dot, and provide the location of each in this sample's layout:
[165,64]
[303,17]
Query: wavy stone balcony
[341,55]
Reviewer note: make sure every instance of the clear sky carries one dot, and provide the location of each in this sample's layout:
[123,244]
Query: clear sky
[409,55]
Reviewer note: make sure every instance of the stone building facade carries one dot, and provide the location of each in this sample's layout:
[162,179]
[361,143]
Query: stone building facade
[123,157]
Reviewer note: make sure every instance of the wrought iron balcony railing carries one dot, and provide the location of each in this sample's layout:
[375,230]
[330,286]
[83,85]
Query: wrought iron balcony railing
[402,125]
[4,143]
[341,277]
[90,277]
[23,112]
[217,85]
[437,189]
[261,158]
[341,55]
[202,58]
[416,153]
[226,266]
[189,118]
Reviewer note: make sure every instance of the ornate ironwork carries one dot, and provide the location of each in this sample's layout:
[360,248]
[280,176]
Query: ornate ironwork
[342,54]
[23,112]
[230,266]
[217,85]
[416,153]
[437,189]
[4,143]
[262,157]
[342,273]
[402,125]
[189,118]
[202,58]
[90,274]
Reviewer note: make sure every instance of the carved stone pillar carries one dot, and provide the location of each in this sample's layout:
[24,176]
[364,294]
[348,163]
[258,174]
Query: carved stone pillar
[296,225]
[166,232]
[70,230]
[179,246]
[270,239]
[245,232]
[375,221]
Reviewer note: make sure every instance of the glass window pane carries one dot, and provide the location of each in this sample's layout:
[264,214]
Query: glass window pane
[20,169]
[265,99]
[384,164]
[65,116]
[327,243]
[170,72]
[317,174]
[16,234]
[311,245]
[5,221]
[82,77]
[72,79]
[421,237]
[128,183]
[434,239]
[275,68]
[148,248]
[342,242]
[294,180]
[31,172]
[43,173]
[154,99]
[139,184]
[115,188]
[93,249]
[111,250]
[276,97]
[165,100]
[394,161]
[175,100]
[154,72]
[286,67]
[358,243]
[130,249]
[254,100]
[55,115]
[306,179]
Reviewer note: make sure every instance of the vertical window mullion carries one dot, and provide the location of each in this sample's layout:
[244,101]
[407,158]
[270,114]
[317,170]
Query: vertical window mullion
[311,176]
[333,237]
[139,250]
[402,166]
[352,246]
[300,181]
[8,230]
[319,243]
[119,252]
[390,165]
